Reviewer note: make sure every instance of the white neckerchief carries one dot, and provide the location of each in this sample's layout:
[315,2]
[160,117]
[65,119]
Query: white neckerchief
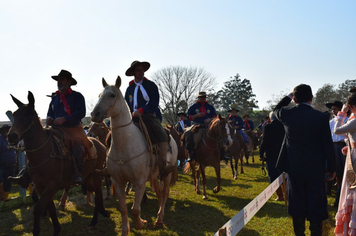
[182,124]
[143,91]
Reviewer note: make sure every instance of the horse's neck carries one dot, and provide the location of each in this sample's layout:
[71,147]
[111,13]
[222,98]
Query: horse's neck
[34,142]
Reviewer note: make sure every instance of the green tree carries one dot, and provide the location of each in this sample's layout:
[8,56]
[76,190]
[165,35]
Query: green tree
[236,92]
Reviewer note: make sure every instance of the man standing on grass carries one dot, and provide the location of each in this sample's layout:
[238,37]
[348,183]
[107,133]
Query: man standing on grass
[307,155]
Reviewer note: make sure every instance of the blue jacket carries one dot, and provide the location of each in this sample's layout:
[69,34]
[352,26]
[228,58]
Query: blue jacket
[144,106]
[7,156]
[196,108]
[179,127]
[248,126]
[76,104]
[236,121]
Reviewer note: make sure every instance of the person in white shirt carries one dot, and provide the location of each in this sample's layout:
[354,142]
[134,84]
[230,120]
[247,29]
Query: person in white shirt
[339,143]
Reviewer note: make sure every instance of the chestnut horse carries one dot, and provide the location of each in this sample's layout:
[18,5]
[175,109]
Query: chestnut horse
[48,171]
[182,154]
[251,145]
[207,152]
[236,151]
[129,158]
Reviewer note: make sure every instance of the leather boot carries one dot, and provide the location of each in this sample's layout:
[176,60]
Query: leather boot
[279,192]
[1,192]
[6,196]
[316,228]
[164,167]
[299,226]
[190,155]
[78,154]
[23,179]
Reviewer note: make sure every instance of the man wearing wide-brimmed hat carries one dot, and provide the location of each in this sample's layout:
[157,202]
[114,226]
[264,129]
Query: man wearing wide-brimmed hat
[248,124]
[142,97]
[7,163]
[200,113]
[237,123]
[182,123]
[339,143]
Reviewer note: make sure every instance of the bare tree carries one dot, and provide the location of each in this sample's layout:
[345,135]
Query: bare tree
[178,86]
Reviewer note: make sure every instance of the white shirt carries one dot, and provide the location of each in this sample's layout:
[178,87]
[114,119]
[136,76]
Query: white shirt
[335,137]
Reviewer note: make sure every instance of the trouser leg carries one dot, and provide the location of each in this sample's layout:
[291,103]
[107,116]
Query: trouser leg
[299,226]
[316,228]
[78,154]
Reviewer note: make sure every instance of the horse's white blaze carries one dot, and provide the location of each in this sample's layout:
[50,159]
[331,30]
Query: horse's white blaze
[228,134]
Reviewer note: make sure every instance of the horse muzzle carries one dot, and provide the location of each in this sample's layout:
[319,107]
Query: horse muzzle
[97,116]
[13,138]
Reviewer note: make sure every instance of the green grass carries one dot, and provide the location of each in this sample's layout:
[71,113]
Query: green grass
[186,212]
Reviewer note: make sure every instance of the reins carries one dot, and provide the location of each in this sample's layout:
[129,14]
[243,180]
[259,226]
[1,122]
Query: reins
[218,140]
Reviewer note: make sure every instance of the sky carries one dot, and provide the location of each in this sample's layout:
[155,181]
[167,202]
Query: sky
[274,44]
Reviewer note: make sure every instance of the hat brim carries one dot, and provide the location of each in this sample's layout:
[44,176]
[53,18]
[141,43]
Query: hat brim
[130,71]
[55,77]
[329,105]
[178,114]
[233,110]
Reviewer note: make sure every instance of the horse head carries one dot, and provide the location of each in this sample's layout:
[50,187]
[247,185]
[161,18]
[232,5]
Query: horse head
[222,130]
[24,117]
[111,97]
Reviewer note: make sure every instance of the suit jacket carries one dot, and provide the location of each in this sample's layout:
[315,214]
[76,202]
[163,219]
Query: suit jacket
[272,139]
[307,150]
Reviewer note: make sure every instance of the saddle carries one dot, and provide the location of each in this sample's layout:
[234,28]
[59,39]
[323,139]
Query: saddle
[61,144]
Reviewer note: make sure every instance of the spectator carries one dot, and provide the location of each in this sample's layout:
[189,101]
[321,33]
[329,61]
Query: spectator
[272,139]
[306,149]
[7,163]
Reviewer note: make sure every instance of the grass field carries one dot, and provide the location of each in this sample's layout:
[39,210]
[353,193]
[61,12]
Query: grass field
[186,212]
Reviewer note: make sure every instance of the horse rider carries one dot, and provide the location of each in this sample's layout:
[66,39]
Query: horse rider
[248,124]
[65,112]
[200,113]
[142,97]
[237,124]
[182,123]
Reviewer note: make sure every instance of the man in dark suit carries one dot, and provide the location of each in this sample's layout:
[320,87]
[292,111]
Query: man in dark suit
[272,139]
[307,155]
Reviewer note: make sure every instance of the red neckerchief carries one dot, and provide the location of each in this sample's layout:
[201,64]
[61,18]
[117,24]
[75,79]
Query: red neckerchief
[268,121]
[202,108]
[132,81]
[248,125]
[62,96]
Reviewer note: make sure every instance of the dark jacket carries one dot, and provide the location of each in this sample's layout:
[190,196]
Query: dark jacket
[76,104]
[307,147]
[248,125]
[144,106]
[236,121]
[272,139]
[196,108]
[7,156]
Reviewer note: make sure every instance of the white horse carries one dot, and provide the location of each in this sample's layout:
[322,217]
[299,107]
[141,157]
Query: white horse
[129,159]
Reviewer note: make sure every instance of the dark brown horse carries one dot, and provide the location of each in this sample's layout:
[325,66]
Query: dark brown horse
[50,172]
[182,155]
[251,145]
[236,151]
[207,152]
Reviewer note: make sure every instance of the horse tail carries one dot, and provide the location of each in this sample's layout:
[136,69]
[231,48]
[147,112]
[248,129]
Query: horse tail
[187,168]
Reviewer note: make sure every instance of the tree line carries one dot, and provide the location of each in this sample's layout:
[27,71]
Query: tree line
[178,87]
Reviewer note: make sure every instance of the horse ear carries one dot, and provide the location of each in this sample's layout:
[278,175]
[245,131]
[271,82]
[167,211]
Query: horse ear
[220,117]
[104,82]
[31,99]
[118,82]
[18,103]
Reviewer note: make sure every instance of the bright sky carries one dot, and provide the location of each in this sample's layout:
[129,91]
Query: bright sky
[275,44]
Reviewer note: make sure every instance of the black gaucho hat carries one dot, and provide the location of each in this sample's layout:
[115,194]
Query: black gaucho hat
[336,103]
[233,108]
[65,74]
[130,70]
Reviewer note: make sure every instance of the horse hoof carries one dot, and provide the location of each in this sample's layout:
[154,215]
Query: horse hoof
[205,197]
[61,207]
[159,225]
[235,177]
[145,224]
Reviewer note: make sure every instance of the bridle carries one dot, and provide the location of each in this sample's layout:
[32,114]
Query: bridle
[218,140]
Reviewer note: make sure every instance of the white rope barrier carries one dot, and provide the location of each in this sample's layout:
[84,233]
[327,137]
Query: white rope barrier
[236,223]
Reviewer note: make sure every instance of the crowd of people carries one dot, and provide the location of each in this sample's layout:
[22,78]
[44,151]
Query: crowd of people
[298,140]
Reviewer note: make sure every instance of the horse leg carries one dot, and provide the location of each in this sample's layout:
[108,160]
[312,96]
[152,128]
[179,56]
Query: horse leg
[241,161]
[52,212]
[120,191]
[108,187]
[40,206]
[232,167]
[160,196]
[218,178]
[89,199]
[236,159]
[64,198]
[99,204]
[136,206]
[128,187]
[196,181]
[202,169]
